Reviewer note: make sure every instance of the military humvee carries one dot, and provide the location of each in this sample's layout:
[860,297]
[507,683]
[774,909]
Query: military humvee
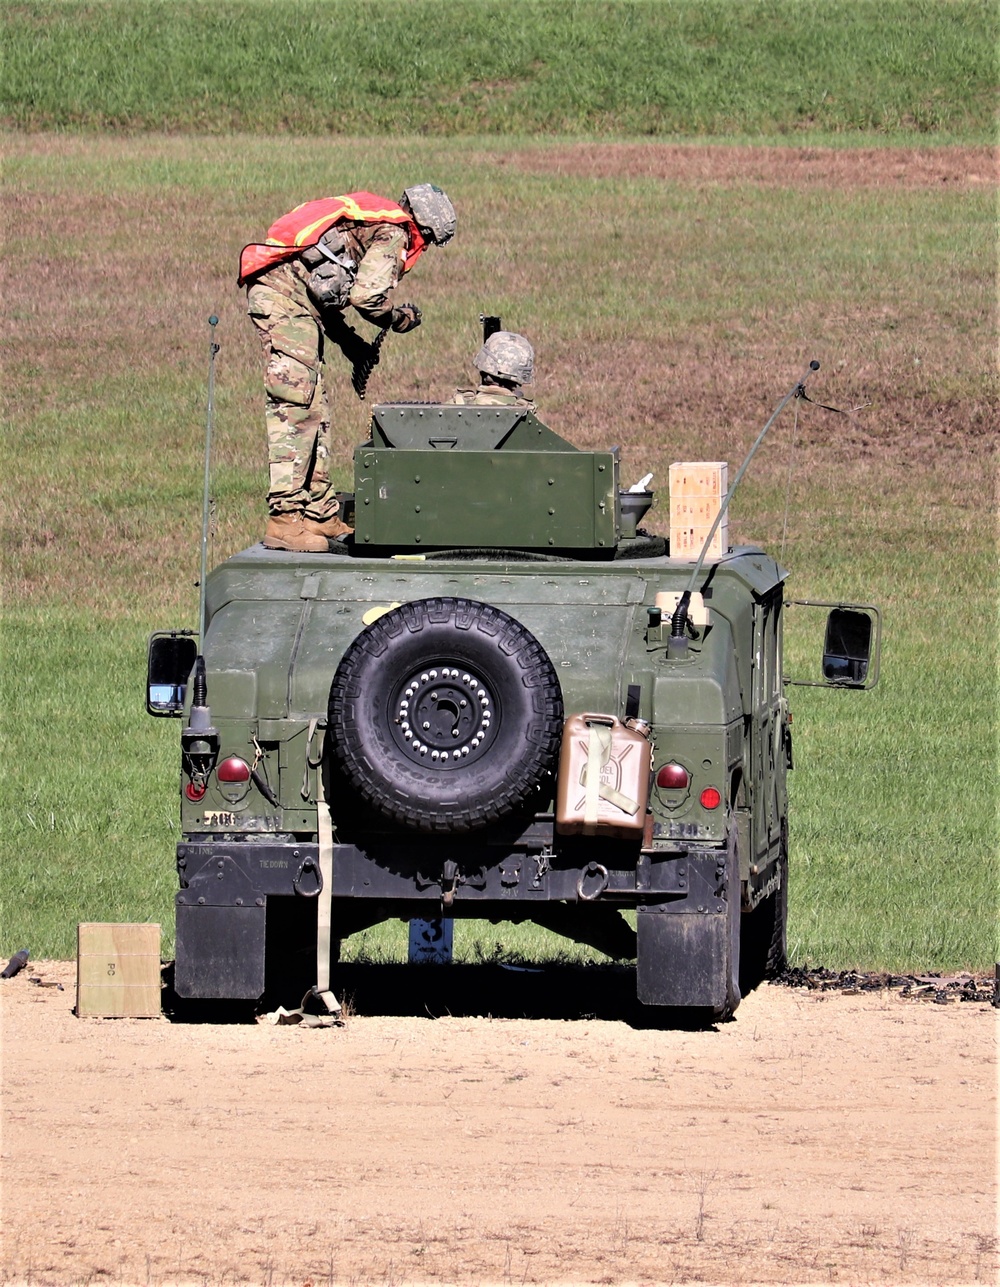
[501,699]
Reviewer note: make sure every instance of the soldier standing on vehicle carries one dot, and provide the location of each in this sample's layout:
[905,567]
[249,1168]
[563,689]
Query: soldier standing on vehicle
[318,260]
[505,362]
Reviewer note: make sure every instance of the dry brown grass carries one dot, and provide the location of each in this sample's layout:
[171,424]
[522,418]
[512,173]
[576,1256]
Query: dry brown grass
[888,167]
[113,268]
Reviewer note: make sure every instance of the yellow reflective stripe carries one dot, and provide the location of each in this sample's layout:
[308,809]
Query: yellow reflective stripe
[391,214]
[352,208]
[354,211]
[304,233]
[345,208]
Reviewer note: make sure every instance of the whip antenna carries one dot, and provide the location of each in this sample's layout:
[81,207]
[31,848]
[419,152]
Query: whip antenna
[788,480]
[678,622]
[796,392]
[213,348]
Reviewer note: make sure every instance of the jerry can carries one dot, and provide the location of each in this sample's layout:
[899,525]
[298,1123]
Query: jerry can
[604,772]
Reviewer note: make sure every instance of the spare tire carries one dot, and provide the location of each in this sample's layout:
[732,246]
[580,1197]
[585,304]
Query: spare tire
[445,715]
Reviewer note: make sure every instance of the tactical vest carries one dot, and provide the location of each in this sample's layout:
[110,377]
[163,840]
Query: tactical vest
[304,226]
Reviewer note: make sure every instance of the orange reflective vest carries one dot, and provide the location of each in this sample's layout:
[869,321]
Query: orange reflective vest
[304,226]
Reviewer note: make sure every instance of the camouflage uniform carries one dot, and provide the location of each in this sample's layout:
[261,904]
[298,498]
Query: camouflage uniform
[505,362]
[490,395]
[293,338]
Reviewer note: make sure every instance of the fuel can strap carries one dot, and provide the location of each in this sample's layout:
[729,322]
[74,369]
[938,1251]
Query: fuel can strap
[599,748]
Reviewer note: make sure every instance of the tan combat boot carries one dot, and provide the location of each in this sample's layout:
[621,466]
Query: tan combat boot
[331,527]
[289,532]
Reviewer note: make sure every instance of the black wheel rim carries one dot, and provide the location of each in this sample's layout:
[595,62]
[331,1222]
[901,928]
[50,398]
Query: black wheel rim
[444,716]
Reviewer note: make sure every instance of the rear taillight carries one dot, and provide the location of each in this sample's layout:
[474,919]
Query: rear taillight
[710,798]
[673,777]
[233,770]
[194,792]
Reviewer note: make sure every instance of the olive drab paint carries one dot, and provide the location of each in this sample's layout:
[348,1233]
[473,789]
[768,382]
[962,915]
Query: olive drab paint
[515,704]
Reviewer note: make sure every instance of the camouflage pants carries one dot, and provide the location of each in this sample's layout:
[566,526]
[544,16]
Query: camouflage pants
[296,411]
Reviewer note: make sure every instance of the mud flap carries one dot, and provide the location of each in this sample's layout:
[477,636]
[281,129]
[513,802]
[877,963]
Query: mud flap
[683,958]
[220,952]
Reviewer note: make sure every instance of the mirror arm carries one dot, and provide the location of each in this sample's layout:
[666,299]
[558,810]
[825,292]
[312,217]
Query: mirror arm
[875,652]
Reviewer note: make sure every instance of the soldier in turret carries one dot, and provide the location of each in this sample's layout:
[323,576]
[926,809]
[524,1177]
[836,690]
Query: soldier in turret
[505,362]
[316,261]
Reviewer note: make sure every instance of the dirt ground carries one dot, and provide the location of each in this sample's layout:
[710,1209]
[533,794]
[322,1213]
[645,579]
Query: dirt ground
[888,167]
[818,1137]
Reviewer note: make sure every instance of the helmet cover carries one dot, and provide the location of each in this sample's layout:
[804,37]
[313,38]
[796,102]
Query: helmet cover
[432,211]
[507,356]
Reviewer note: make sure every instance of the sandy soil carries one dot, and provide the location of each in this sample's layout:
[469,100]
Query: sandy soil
[816,1138]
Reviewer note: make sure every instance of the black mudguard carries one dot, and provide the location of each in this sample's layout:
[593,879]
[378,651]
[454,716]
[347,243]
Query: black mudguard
[220,952]
[683,958]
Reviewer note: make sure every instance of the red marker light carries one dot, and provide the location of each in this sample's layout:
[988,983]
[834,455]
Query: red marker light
[673,777]
[233,770]
[710,798]
[194,793]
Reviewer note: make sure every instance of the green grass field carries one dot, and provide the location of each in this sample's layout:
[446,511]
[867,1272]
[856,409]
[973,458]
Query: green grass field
[670,309]
[446,67]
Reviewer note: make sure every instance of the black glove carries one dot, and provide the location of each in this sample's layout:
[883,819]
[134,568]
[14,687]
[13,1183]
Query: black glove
[406,318]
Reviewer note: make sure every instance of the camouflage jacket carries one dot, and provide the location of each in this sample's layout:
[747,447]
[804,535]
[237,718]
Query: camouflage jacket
[377,249]
[489,395]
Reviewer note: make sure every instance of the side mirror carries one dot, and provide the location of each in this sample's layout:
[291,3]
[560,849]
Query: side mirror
[852,646]
[169,663]
[848,647]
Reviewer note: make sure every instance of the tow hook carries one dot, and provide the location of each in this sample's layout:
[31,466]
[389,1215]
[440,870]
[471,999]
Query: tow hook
[592,870]
[449,880]
[308,865]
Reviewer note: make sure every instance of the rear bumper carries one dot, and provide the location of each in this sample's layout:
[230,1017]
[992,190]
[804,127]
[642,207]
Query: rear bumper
[240,873]
[683,905]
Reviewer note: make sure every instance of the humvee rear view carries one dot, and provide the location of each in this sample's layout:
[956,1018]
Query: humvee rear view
[501,699]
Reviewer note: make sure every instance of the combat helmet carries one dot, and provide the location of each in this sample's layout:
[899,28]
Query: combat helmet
[508,357]
[432,212]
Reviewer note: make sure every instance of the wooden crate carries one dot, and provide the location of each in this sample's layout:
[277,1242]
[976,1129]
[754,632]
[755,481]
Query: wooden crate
[697,489]
[117,970]
[699,478]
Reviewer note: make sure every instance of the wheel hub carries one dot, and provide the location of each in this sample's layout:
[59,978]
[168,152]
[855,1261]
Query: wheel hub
[444,716]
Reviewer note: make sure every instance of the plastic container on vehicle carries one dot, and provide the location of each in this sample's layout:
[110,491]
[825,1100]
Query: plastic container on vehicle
[604,771]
